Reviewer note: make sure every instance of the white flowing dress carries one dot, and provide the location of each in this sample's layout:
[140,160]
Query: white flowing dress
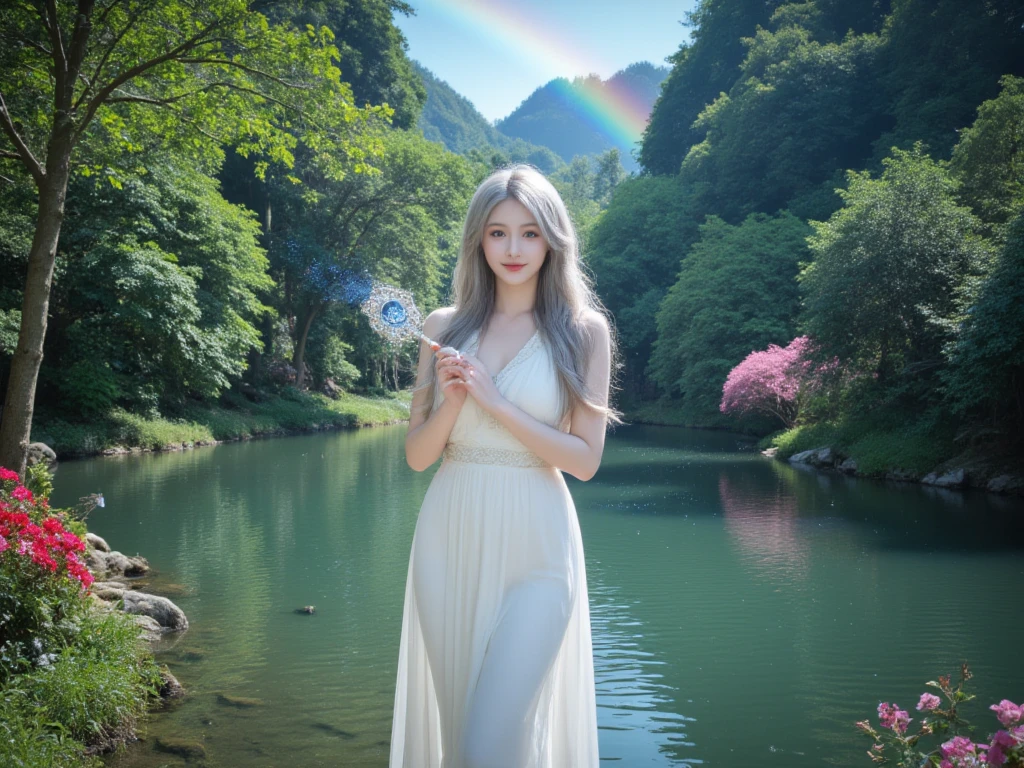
[495,663]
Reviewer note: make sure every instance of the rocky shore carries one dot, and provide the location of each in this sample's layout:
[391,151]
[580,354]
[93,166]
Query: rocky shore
[977,473]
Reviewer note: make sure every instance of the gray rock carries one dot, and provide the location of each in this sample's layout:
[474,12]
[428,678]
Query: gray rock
[38,452]
[167,614]
[96,542]
[170,688]
[824,457]
[849,466]
[804,457]
[108,593]
[1006,484]
[955,478]
[119,564]
[150,628]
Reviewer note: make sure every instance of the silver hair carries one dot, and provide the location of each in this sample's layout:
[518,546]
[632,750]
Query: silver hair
[565,292]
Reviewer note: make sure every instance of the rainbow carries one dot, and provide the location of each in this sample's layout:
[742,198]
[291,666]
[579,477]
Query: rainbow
[615,112]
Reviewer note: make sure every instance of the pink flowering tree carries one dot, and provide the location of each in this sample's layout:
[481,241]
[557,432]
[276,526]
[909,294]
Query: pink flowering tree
[941,722]
[769,382]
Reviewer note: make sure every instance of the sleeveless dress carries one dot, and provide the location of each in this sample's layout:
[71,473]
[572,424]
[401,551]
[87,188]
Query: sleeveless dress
[495,661]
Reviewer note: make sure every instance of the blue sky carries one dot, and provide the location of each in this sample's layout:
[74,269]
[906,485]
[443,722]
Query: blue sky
[488,60]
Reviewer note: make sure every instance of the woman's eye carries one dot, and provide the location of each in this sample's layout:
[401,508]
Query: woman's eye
[497,233]
[531,234]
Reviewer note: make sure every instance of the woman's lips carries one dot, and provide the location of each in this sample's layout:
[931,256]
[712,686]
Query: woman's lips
[513,267]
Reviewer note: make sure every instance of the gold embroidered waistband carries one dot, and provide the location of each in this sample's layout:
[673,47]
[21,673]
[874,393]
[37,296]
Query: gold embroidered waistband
[485,455]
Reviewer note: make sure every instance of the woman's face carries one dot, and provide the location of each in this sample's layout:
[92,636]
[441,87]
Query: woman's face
[513,245]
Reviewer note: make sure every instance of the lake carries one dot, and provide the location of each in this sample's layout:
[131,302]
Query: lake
[744,612]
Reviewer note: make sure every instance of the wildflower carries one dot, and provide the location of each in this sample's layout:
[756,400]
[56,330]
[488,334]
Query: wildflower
[958,746]
[928,702]
[21,493]
[1007,712]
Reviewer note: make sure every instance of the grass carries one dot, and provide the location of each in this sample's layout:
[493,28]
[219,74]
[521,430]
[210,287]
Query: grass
[90,697]
[235,418]
[917,446]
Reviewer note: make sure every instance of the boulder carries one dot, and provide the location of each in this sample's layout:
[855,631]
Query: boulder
[97,542]
[331,389]
[849,466]
[1006,484]
[38,452]
[169,616]
[107,593]
[170,688]
[804,457]
[150,628]
[117,564]
[954,478]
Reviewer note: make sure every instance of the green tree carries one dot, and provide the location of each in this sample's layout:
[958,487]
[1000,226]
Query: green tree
[986,357]
[85,86]
[701,70]
[131,260]
[736,292]
[634,251]
[397,224]
[989,158]
[889,266]
[799,110]
[372,49]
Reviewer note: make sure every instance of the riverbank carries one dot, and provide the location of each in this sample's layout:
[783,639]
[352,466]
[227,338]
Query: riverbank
[236,418]
[927,453]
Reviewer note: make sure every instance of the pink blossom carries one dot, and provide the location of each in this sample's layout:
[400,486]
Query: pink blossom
[4,545]
[1007,712]
[767,381]
[7,474]
[887,714]
[902,721]
[928,702]
[21,493]
[958,746]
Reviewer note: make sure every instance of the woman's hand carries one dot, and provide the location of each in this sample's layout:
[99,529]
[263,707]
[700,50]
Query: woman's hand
[451,374]
[480,385]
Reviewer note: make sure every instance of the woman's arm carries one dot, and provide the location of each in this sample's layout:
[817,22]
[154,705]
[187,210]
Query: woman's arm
[427,437]
[579,451]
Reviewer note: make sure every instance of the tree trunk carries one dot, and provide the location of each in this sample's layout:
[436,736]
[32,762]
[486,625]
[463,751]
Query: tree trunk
[300,348]
[19,402]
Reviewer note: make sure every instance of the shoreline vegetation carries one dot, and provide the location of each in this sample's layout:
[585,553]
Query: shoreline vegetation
[906,453]
[236,418]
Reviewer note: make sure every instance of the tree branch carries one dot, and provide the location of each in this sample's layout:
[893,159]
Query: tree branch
[24,153]
[138,69]
[250,70]
[106,54]
[60,61]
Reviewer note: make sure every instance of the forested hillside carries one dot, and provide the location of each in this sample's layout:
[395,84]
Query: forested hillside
[848,171]
[560,114]
[452,120]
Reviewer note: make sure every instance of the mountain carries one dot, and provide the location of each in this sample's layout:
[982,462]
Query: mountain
[573,118]
[451,119]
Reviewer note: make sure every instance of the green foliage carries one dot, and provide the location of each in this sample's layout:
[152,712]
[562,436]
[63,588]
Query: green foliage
[798,110]
[373,58]
[989,158]
[451,119]
[635,250]
[934,80]
[88,387]
[700,72]
[735,292]
[986,357]
[888,268]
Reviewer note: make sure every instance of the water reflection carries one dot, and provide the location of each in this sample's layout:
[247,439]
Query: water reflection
[764,526]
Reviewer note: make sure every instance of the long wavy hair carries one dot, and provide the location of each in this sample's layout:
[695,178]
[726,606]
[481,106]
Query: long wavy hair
[564,291]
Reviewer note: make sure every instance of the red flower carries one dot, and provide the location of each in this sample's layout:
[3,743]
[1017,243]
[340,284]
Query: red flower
[7,474]
[52,525]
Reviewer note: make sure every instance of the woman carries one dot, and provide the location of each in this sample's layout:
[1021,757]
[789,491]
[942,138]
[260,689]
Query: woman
[495,665]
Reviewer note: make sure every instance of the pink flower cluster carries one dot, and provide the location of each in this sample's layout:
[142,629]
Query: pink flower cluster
[893,717]
[961,752]
[48,545]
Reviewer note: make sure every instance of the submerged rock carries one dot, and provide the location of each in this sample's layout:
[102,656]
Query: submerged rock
[242,702]
[182,747]
[1006,484]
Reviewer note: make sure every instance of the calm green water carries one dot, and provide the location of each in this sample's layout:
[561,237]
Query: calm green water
[744,613]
